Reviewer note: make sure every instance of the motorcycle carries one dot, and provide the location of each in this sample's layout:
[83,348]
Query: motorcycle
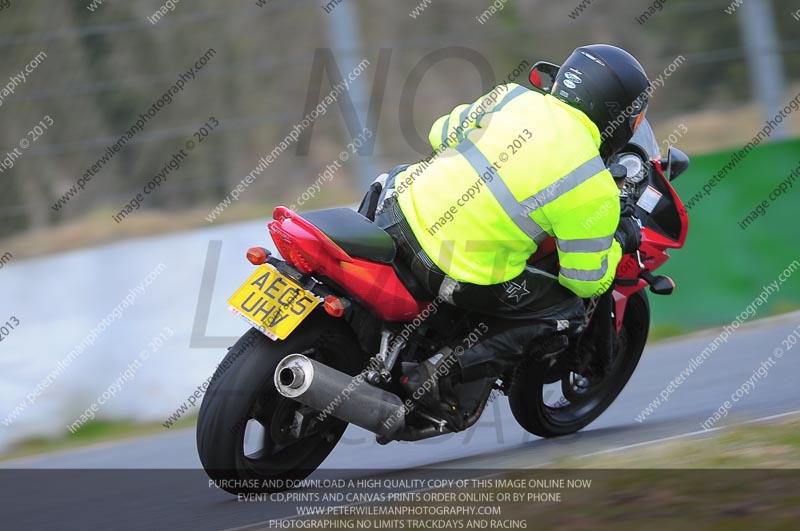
[333,321]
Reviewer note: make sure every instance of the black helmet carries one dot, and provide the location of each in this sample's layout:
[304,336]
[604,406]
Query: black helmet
[610,86]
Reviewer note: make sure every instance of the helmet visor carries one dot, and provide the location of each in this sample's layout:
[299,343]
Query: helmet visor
[636,118]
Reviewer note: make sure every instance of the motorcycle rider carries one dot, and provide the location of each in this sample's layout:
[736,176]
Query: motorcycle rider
[510,170]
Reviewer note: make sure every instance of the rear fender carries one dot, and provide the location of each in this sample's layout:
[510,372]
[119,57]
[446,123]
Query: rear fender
[376,286]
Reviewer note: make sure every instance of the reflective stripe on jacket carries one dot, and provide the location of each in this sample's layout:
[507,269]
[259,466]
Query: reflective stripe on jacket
[508,171]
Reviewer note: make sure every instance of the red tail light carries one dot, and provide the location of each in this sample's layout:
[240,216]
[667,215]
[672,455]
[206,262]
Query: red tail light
[289,250]
[297,259]
[283,245]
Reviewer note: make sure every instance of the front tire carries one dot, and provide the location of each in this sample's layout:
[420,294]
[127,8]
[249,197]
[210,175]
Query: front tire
[241,407]
[530,396]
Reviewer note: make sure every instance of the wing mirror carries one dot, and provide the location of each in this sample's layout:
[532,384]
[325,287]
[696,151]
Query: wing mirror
[677,163]
[543,75]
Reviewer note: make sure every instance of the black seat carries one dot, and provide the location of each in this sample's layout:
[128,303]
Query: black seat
[355,234]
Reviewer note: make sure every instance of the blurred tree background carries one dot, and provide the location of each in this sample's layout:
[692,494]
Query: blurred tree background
[105,67]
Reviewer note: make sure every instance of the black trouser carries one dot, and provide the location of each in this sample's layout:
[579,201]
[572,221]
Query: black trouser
[534,299]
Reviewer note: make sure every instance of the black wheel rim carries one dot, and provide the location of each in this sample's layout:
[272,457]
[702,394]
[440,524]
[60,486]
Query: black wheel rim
[259,449]
[573,397]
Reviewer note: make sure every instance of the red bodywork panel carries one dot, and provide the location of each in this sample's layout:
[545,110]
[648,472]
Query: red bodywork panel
[374,285]
[654,252]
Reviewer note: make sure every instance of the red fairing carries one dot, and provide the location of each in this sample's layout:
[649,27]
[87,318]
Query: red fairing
[682,213]
[653,253]
[374,285]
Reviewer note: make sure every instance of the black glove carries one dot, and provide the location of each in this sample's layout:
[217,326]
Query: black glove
[629,234]
[627,206]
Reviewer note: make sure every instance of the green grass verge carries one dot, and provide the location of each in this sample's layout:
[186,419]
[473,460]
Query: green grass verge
[93,432]
[759,445]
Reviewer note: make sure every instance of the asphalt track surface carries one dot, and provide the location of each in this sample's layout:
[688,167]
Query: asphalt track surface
[153,498]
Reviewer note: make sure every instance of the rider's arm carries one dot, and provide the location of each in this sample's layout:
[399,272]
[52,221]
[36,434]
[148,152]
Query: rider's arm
[587,251]
[452,128]
[445,132]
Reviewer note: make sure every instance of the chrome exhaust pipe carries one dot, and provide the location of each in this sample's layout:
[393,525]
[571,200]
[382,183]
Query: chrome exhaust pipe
[348,398]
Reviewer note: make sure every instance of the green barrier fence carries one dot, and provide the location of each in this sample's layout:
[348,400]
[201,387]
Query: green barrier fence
[723,266]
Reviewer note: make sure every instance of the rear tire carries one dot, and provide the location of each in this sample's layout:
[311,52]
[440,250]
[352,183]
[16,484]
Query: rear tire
[528,397]
[242,400]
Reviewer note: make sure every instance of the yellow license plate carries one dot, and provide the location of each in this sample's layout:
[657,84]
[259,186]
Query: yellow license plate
[272,302]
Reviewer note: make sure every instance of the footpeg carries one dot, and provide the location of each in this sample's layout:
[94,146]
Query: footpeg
[659,285]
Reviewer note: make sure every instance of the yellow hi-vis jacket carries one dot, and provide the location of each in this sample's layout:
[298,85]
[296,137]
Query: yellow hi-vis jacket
[508,171]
